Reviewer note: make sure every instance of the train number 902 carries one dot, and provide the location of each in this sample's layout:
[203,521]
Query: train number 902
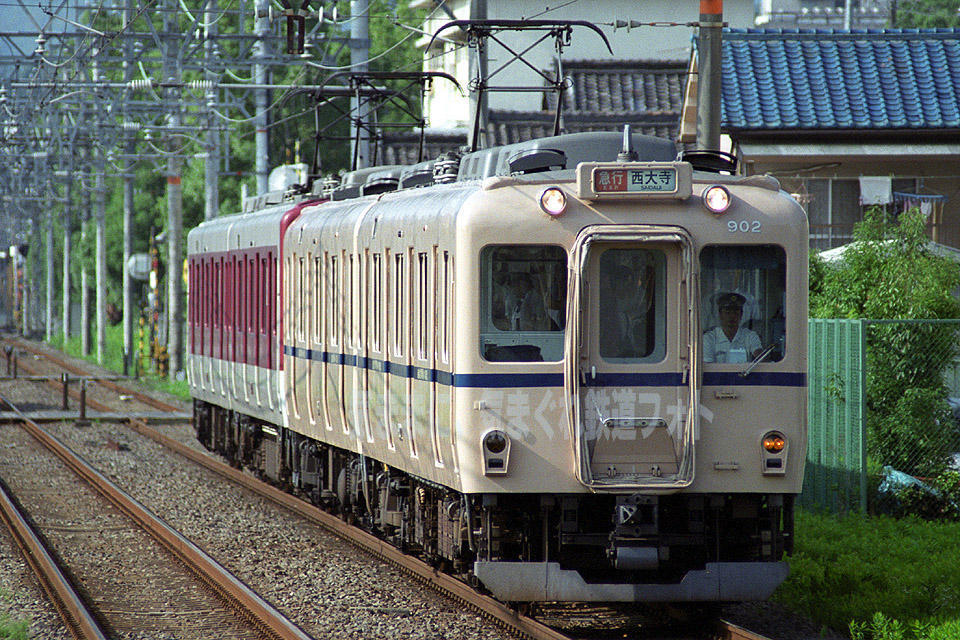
[743,226]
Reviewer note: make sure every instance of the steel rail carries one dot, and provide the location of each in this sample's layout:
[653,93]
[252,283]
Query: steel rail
[730,631]
[76,616]
[257,610]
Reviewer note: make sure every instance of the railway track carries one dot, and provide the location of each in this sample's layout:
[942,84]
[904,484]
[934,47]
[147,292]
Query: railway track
[125,579]
[493,610]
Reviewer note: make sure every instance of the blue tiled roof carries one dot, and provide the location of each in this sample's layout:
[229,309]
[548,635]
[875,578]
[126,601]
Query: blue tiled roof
[830,79]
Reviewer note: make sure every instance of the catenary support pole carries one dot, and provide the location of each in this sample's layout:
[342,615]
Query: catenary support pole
[261,29]
[359,55]
[128,177]
[67,250]
[211,163]
[478,68]
[708,80]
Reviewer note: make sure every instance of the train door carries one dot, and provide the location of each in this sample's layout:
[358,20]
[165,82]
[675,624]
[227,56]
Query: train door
[631,357]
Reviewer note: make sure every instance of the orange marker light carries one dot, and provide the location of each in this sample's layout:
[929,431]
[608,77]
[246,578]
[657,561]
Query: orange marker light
[774,442]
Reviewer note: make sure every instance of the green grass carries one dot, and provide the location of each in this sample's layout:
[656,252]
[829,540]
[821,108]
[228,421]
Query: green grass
[113,360]
[11,629]
[892,579]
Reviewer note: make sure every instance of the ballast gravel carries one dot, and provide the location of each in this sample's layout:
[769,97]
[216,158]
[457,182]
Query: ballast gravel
[323,584]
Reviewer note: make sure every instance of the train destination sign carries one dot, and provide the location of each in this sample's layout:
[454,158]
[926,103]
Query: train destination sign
[662,180]
[634,179]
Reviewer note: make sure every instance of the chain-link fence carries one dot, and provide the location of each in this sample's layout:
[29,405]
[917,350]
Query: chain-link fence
[883,394]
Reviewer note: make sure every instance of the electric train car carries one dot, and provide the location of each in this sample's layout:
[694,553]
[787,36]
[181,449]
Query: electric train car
[572,369]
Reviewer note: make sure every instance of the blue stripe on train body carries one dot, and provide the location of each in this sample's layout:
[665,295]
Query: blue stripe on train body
[529,380]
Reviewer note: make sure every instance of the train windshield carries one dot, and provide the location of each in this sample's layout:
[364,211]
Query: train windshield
[742,302]
[523,293]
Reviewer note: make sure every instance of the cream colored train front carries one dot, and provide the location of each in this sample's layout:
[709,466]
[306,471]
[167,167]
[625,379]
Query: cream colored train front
[578,378]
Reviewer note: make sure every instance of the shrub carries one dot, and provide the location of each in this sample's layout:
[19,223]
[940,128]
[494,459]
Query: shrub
[914,433]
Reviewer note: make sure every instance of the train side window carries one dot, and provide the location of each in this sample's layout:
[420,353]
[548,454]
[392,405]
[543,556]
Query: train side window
[632,305]
[318,298]
[349,333]
[523,302]
[443,290]
[398,306]
[423,297]
[334,292]
[302,302]
[742,296]
[376,299]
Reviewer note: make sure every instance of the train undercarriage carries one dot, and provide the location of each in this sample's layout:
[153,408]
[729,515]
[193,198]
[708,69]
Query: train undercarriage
[679,547]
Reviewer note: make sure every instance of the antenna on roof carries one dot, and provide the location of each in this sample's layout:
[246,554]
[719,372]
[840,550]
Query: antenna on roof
[627,154]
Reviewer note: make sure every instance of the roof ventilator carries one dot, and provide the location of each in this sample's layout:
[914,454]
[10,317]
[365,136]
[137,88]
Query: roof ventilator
[536,161]
[419,175]
[446,168]
[381,182]
[710,160]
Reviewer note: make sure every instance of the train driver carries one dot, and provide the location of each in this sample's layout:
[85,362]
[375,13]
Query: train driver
[729,342]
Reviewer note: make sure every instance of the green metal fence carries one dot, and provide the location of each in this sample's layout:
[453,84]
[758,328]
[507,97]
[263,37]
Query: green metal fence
[835,476]
[878,388]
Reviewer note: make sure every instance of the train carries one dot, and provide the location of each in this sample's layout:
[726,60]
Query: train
[568,369]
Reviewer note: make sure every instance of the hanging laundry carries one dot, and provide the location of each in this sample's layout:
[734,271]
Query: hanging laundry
[876,190]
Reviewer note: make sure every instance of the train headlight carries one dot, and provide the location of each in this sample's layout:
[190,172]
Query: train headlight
[496,452]
[716,198]
[553,201]
[773,453]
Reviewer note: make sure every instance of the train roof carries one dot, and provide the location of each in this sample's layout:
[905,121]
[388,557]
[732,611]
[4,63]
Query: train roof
[561,152]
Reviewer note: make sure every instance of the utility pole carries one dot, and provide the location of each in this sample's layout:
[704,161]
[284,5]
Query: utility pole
[359,56]
[174,199]
[709,55]
[50,199]
[128,175]
[478,69]
[261,27]
[67,246]
[211,165]
[85,281]
[100,213]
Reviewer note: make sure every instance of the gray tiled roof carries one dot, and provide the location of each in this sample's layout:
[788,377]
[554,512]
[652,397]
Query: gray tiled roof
[623,86]
[602,96]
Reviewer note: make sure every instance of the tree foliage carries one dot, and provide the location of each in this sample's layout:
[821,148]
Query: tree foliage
[890,272]
[927,14]
[290,134]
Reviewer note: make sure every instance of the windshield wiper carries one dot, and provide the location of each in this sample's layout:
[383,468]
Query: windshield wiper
[763,354]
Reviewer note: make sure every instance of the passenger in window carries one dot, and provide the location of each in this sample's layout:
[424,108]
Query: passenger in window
[729,342]
[519,306]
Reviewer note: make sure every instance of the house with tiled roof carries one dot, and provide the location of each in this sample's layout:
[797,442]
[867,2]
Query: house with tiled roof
[601,95]
[847,120]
